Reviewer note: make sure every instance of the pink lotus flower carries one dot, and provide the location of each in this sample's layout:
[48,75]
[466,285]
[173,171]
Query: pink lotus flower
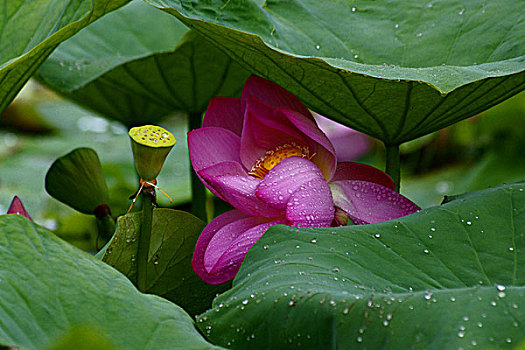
[265,155]
[349,144]
[17,207]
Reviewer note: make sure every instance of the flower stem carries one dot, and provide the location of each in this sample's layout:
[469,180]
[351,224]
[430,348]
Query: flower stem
[393,164]
[144,239]
[198,191]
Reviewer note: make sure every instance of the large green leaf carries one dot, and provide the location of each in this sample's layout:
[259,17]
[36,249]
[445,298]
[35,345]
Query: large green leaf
[447,277]
[47,287]
[395,70]
[136,76]
[173,237]
[31,29]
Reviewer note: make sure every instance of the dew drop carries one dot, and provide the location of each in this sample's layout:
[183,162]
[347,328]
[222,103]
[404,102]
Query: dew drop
[461,334]
[426,251]
[317,47]
[245,301]
[353,9]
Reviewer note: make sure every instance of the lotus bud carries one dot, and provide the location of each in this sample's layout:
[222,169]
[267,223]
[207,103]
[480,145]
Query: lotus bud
[150,145]
[17,207]
[77,180]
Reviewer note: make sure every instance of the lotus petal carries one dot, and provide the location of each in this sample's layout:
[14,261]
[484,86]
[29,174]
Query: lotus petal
[239,191]
[284,179]
[224,112]
[367,202]
[311,205]
[212,145]
[223,244]
[363,172]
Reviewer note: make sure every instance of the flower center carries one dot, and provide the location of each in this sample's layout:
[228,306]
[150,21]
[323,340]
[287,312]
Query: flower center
[266,163]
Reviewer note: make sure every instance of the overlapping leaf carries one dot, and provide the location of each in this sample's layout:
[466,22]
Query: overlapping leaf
[47,288]
[446,277]
[173,238]
[138,76]
[394,70]
[30,30]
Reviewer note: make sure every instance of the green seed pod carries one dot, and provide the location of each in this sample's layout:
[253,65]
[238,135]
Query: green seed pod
[77,180]
[150,145]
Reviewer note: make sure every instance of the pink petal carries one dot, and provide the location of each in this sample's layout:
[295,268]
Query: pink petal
[224,112]
[363,172]
[349,144]
[221,169]
[284,179]
[265,129]
[223,244]
[311,204]
[367,203]
[212,145]
[237,189]
[320,146]
[17,207]
[235,254]
[203,243]
[271,94]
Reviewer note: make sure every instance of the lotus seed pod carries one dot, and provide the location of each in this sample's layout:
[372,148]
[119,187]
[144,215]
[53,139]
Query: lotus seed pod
[150,145]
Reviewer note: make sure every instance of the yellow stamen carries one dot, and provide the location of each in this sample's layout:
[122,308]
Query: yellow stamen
[274,157]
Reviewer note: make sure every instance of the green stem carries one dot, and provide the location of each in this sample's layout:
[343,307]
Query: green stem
[144,240]
[393,164]
[198,191]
